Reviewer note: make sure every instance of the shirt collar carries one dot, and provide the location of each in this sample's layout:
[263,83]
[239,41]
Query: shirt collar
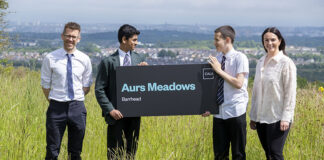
[229,54]
[122,53]
[278,56]
[73,54]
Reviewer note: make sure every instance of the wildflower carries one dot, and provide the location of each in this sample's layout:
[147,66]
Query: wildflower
[321,89]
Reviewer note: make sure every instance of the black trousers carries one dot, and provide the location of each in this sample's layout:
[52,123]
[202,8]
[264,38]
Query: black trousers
[59,115]
[125,128]
[272,139]
[230,131]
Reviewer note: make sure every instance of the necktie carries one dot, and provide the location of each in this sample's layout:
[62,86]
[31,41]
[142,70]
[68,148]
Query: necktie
[127,61]
[220,89]
[69,77]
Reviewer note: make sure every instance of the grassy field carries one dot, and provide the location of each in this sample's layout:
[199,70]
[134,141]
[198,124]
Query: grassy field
[22,127]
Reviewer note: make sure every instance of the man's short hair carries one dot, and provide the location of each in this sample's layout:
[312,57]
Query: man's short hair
[226,31]
[72,26]
[128,31]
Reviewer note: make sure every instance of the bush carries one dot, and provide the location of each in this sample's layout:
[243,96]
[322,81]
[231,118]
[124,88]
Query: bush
[301,82]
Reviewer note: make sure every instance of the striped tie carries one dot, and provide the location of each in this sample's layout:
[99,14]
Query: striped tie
[127,61]
[220,89]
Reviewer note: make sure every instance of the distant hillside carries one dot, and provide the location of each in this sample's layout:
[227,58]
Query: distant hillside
[156,36]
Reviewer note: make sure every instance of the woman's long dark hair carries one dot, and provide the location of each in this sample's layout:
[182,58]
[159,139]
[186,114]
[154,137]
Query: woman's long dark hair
[275,31]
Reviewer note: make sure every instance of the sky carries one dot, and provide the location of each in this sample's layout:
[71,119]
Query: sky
[187,12]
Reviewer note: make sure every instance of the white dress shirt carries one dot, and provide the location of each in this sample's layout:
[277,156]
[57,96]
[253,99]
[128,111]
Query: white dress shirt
[53,74]
[274,90]
[122,55]
[235,100]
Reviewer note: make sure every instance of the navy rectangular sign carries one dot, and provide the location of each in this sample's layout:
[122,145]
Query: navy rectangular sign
[166,90]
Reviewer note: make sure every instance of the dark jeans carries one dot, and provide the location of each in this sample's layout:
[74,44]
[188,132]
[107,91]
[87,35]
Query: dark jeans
[230,131]
[126,128]
[59,115]
[272,139]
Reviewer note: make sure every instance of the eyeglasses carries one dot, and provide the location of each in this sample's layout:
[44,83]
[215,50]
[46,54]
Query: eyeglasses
[70,36]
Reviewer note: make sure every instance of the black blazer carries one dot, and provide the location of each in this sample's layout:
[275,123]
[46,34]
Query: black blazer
[105,87]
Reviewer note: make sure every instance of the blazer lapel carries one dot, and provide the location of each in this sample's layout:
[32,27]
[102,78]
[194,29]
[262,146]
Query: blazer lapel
[116,58]
[135,59]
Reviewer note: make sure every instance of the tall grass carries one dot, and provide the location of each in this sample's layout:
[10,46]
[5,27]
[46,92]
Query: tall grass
[22,127]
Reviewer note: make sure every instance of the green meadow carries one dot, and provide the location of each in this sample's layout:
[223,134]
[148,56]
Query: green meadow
[22,127]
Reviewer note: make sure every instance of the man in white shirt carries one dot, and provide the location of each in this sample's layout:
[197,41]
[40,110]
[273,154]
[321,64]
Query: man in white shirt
[66,77]
[229,126]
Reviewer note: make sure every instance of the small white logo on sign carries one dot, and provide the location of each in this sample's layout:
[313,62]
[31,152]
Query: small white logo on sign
[208,73]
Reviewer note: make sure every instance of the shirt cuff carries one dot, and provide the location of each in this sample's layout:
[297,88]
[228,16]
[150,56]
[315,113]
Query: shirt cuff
[46,86]
[286,117]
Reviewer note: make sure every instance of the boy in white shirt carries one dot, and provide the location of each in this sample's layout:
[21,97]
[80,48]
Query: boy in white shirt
[229,126]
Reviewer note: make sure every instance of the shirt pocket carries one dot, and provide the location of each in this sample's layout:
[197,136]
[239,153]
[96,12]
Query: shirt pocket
[273,84]
[230,67]
[273,74]
[59,69]
[77,71]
